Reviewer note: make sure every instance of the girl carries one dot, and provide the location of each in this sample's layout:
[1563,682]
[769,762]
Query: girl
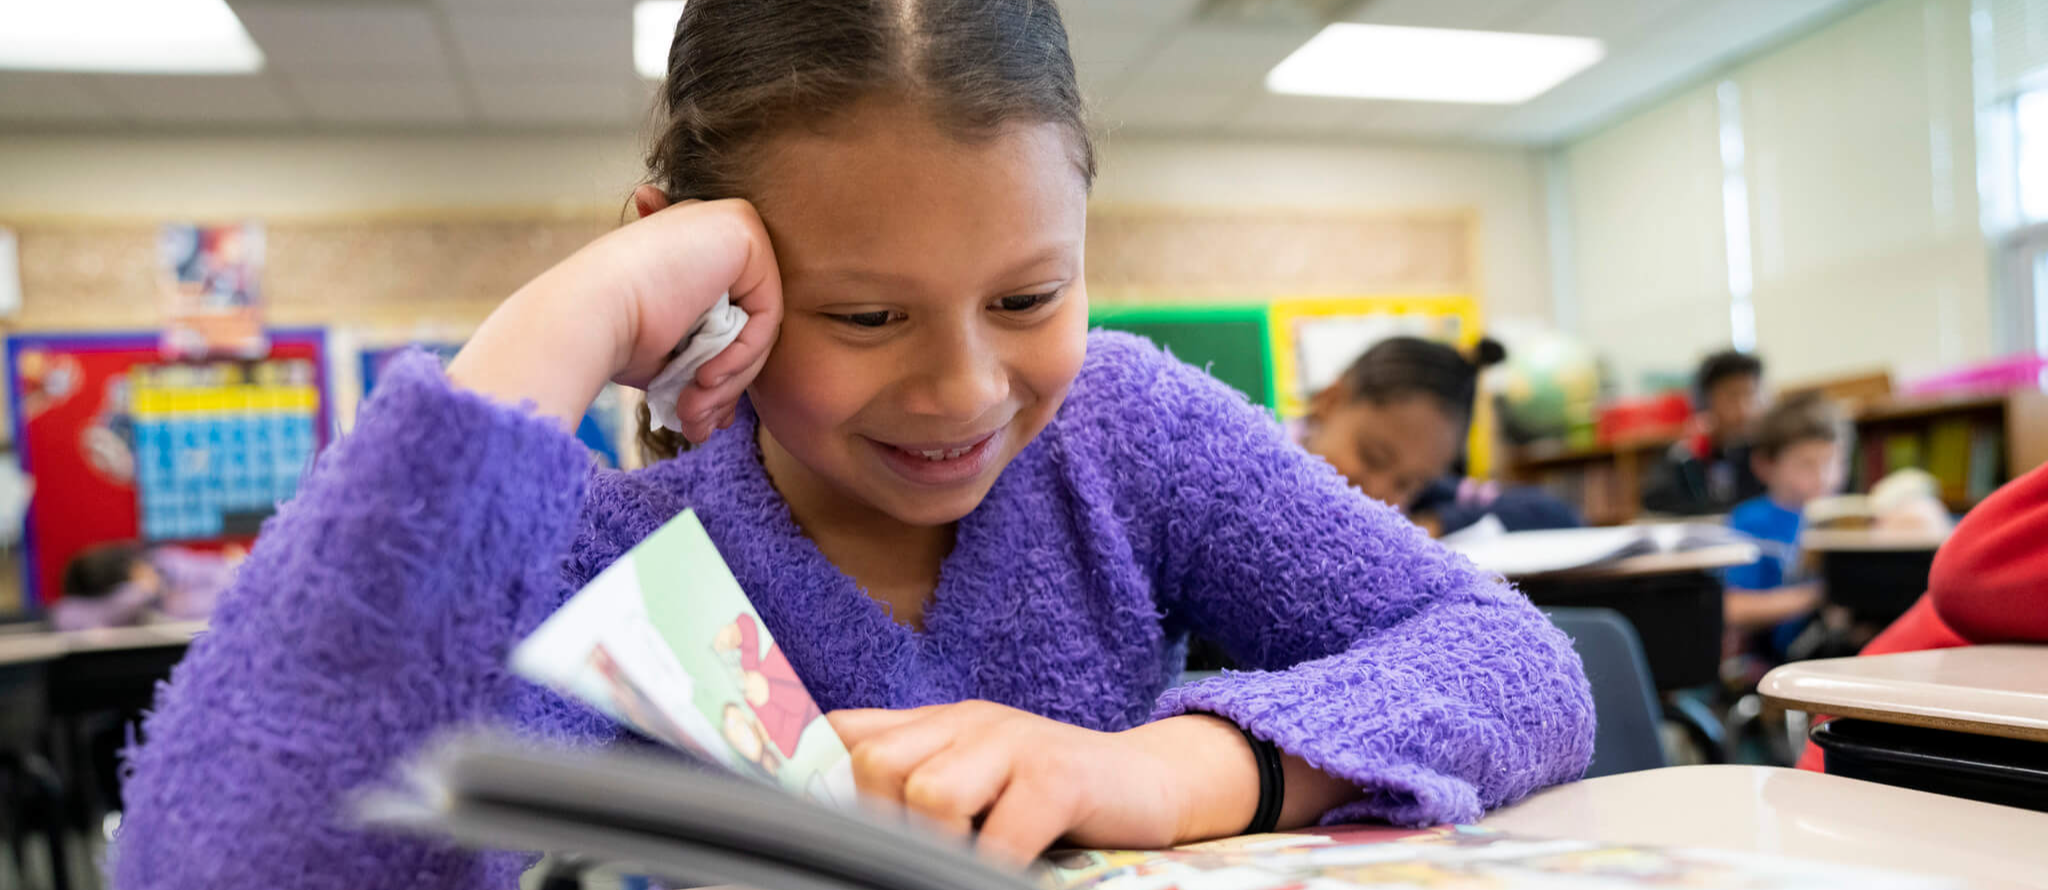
[979,533]
[1395,425]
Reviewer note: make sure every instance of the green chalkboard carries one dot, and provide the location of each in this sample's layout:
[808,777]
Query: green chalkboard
[1231,342]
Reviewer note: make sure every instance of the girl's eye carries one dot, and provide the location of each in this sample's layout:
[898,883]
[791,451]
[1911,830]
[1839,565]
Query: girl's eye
[1025,302]
[874,319]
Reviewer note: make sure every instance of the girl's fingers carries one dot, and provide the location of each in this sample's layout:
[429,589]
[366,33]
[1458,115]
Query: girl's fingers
[882,765]
[714,409]
[1028,817]
[857,725]
[958,783]
[756,338]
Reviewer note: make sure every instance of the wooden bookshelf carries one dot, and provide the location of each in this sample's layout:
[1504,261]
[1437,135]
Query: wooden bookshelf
[1604,481]
[2008,431]
[1972,444]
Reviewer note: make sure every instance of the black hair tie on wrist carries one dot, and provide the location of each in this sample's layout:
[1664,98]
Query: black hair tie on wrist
[1272,781]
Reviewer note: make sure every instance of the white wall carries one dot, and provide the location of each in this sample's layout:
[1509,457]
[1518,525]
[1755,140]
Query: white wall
[1648,254]
[1859,155]
[170,176]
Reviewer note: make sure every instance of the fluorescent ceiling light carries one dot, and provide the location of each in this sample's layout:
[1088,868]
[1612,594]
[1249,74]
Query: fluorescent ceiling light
[125,37]
[1431,64]
[654,28]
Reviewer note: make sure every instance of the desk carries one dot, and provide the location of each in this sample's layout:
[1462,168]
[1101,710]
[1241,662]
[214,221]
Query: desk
[1706,559]
[1969,722]
[51,682]
[50,645]
[1876,574]
[1795,813]
[1983,690]
[1672,599]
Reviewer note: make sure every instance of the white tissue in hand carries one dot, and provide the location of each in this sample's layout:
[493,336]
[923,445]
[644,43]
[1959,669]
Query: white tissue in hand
[708,337]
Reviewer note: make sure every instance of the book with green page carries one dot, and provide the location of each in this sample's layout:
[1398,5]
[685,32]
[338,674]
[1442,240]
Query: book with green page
[762,796]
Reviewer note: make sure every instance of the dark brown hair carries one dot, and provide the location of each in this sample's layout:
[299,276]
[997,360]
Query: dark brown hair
[1724,365]
[741,71]
[101,569]
[1806,417]
[1399,367]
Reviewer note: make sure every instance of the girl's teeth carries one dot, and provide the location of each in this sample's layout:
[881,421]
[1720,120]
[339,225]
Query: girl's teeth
[945,454]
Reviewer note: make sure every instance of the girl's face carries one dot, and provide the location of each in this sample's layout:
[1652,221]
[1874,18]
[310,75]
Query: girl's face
[1389,450]
[934,312]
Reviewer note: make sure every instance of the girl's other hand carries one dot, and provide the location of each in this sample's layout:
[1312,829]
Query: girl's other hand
[1025,781]
[614,310]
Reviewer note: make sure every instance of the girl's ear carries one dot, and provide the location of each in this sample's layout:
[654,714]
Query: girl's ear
[1326,401]
[647,200]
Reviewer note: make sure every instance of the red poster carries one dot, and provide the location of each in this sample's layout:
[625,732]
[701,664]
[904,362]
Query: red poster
[92,454]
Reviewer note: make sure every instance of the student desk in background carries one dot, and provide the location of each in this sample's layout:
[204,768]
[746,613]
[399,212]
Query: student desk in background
[1971,722]
[51,683]
[1795,813]
[1674,602]
[1876,575]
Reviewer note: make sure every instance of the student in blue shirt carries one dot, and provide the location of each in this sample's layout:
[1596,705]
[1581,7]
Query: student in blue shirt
[1798,455]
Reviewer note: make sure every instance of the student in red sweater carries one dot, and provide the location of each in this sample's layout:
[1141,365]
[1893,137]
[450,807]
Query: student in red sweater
[1989,584]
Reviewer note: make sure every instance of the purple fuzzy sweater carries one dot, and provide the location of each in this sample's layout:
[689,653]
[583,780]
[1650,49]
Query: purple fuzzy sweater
[381,603]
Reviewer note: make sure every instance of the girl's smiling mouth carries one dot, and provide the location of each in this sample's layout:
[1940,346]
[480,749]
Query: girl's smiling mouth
[940,463]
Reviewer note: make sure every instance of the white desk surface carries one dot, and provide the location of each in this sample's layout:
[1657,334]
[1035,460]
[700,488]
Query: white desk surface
[1988,690]
[20,648]
[1788,812]
[1871,540]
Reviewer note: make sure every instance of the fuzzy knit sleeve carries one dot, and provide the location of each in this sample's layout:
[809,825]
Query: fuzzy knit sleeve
[1381,657]
[376,608]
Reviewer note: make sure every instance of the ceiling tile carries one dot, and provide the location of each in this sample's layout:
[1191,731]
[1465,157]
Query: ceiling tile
[561,7]
[1609,20]
[55,98]
[1434,120]
[1477,15]
[307,38]
[1175,110]
[179,99]
[418,100]
[1106,57]
[612,101]
[1081,15]
[590,46]
[1679,48]
[1299,115]
[1207,57]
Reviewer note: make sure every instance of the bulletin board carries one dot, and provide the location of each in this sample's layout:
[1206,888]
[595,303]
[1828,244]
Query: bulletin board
[124,445]
[1280,353]
[1316,338]
[1230,341]
[602,429]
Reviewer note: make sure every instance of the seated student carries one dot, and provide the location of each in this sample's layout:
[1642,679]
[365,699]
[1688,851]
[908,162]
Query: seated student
[1395,426]
[119,584]
[1709,471]
[1799,457]
[1989,583]
[979,533]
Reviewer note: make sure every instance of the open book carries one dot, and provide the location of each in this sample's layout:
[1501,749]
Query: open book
[759,791]
[665,642]
[646,814]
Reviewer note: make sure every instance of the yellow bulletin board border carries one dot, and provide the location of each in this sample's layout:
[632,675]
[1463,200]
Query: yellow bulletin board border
[1284,313]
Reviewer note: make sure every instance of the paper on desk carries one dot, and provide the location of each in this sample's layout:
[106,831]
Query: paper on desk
[1530,553]
[666,642]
